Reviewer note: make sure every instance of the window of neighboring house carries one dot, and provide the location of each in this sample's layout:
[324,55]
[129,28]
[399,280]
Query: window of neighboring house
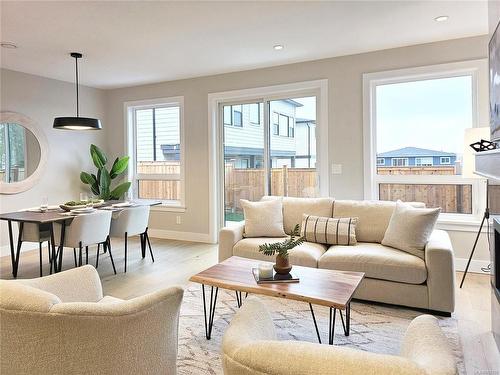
[283,125]
[157,150]
[254,113]
[399,162]
[237,116]
[380,161]
[291,127]
[447,105]
[228,115]
[276,123]
[424,162]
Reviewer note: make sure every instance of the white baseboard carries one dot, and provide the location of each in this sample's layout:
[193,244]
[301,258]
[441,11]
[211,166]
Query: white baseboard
[475,265]
[180,236]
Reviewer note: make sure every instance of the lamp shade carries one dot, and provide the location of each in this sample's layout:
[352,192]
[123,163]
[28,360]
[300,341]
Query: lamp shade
[77,123]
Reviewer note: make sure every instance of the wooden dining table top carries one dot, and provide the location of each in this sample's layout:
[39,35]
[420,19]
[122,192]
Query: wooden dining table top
[316,286]
[55,215]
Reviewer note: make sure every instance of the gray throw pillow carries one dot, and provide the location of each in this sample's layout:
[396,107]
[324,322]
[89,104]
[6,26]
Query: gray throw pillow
[410,228]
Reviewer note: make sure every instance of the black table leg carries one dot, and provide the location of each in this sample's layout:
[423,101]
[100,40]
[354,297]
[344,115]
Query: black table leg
[61,246]
[18,251]
[12,254]
[53,262]
[211,312]
[331,326]
[315,324]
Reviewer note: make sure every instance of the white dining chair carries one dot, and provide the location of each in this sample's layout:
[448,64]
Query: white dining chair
[131,222]
[39,234]
[83,231]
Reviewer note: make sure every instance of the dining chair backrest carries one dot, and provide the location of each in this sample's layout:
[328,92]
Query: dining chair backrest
[133,221]
[88,229]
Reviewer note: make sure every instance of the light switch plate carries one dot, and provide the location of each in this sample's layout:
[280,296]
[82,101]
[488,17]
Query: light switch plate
[336,168]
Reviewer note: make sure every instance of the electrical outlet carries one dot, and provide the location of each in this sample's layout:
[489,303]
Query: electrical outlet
[336,168]
[178,220]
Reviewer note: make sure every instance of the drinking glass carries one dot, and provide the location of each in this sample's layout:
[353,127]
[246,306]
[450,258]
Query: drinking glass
[84,197]
[44,205]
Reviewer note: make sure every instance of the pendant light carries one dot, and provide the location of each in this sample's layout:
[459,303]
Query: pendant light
[77,123]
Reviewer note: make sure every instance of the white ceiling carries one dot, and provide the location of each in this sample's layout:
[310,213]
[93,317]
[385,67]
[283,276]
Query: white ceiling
[131,43]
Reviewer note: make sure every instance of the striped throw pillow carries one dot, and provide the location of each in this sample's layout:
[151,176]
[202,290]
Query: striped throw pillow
[328,230]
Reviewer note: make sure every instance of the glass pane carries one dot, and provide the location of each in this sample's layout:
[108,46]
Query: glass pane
[244,175]
[421,126]
[158,140]
[293,152]
[254,113]
[227,115]
[451,198]
[162,190]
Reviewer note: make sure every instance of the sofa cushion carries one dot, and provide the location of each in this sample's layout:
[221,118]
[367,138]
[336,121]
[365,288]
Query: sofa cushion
[328,230]
[263,219]
[373,217]
[294,208]
[306,254]
[376,261]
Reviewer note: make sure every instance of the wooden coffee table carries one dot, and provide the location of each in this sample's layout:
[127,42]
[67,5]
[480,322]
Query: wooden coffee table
[333,289]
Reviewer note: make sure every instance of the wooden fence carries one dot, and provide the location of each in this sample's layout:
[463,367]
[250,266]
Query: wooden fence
[158,189]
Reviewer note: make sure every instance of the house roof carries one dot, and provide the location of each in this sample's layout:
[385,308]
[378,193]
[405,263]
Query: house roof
[300,119]
[412,152]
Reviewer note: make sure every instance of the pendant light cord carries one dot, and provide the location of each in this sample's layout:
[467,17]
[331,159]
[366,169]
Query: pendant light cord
[77,99]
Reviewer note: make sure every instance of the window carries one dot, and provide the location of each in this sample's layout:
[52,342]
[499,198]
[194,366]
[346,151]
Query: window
[283,125]
[380,161]
[399,162]
[237,116]
[291,127]
[228,115]
[156,145]
[415,115]
[424,162]
[276,124]
[255,113]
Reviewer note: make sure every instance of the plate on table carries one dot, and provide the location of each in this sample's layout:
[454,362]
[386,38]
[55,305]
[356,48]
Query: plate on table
[84,210]
[122,205]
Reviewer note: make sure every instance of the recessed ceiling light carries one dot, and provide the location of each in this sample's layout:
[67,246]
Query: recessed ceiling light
[8,45]
[278,47]
[441,18]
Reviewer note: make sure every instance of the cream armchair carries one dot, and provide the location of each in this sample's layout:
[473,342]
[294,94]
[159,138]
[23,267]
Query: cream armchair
[249,347]
[62,324]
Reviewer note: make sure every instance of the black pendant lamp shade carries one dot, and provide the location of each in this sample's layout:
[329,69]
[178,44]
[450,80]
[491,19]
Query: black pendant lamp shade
[77,123]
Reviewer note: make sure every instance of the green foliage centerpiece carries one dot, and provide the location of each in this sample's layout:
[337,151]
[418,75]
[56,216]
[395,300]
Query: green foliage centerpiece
[280,249]
[100,183]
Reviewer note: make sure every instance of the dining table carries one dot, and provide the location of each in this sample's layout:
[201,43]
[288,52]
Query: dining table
[51,216]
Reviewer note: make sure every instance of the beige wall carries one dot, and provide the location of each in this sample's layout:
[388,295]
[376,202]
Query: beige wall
[42,99]
[345,116]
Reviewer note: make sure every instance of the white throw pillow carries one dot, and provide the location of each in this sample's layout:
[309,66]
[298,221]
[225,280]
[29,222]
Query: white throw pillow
[263,219]
[410,228]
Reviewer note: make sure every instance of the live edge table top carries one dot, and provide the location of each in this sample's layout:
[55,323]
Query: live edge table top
[316,286]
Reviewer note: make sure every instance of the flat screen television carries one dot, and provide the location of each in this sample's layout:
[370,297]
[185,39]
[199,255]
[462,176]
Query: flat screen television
[494,62]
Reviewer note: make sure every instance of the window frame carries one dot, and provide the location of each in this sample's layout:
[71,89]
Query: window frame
[418,161]
[441,162]
[131,150]
[478,71]
[250,114]
[233,110]
[406,162]
[382,163]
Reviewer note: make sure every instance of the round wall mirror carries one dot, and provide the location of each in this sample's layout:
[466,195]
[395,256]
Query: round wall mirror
[22,153]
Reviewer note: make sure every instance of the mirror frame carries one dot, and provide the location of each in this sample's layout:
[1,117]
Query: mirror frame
[30,181]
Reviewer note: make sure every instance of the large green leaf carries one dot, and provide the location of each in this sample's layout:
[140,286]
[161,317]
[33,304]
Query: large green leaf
[119,166]
[86,178]
[98,156]
[121,189]
[104,182]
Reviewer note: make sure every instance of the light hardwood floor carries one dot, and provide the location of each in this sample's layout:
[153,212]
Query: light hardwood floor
[176,261]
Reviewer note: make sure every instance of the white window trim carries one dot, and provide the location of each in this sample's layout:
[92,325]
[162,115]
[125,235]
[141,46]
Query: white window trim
[478,69]
[130,149]
[317,87]
[444,157]
[406,162]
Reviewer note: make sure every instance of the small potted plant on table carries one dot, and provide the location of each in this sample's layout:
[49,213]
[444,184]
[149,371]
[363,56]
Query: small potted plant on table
[281,249]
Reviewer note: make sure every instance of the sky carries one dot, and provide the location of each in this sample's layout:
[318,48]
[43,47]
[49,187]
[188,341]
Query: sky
[430,114]
[308,110]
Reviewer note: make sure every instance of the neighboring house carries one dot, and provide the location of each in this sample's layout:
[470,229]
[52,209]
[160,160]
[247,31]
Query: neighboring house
[416,157]
[293,141]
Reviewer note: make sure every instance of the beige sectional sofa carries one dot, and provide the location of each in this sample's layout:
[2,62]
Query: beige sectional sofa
[391,276]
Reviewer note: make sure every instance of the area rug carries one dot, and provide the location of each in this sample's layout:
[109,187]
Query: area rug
[375,328]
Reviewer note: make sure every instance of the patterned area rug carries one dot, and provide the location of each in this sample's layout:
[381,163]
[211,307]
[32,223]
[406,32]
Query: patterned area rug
[374,328]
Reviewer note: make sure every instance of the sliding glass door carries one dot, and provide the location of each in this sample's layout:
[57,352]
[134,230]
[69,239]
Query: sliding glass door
[269,147]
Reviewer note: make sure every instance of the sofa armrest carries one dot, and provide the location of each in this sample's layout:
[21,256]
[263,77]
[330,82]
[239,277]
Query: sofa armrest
[426,345]
[80,284]
[440,272]
[228,237]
